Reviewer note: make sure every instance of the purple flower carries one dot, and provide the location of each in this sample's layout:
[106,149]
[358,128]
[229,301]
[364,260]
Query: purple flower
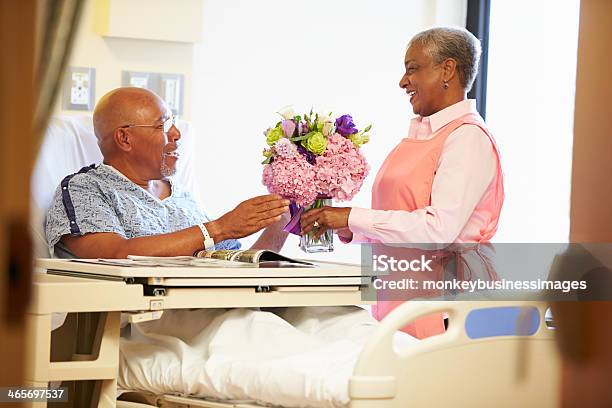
[345,125]
[288,127]
[303,128]
[309,156]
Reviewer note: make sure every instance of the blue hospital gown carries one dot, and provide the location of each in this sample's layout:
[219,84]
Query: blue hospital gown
[101,199]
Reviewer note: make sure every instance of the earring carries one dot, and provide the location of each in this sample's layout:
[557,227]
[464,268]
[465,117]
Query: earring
[445,85]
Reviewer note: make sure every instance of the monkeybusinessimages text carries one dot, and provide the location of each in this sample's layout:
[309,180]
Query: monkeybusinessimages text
[386,265]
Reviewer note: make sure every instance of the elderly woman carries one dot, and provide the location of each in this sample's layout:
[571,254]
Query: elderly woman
[443,182]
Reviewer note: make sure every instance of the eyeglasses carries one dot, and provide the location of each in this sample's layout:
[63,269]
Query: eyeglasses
[164,127]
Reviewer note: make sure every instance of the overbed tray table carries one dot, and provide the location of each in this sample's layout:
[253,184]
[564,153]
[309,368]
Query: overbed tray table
[70,286]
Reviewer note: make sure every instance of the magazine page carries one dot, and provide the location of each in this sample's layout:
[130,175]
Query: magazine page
[237,255]
[169,261]
[256,256]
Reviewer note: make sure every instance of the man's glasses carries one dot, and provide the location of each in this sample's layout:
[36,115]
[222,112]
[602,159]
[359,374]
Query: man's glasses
[164,127]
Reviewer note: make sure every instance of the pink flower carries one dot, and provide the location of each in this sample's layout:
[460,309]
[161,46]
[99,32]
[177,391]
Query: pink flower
[292,178]
[341,170]
[285,148]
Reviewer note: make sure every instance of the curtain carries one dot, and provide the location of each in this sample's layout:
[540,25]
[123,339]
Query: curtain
[59,21]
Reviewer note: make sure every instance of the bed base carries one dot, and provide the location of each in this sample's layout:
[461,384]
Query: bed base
[450,370]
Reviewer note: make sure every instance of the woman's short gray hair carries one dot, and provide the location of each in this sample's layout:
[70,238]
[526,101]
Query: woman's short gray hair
[459,44]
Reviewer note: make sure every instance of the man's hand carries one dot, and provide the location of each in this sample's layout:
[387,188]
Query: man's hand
[326,218]
[248,217]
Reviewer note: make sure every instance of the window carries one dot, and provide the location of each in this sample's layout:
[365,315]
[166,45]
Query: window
[530,110]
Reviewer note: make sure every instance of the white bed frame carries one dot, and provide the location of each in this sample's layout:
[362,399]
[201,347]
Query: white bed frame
[447,370]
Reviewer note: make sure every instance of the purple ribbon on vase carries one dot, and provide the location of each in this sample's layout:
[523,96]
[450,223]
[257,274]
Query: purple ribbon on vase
[293,226]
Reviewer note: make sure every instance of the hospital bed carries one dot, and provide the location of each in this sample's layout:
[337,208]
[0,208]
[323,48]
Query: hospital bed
[459,368]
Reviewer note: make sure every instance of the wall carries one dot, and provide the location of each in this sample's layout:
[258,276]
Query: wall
[110,56]
[258,56]
[344,56]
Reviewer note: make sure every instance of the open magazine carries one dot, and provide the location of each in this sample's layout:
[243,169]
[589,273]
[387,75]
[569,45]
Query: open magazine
[262,257]
[234,258]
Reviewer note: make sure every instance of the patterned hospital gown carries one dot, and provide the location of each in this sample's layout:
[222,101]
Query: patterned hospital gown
[100,199]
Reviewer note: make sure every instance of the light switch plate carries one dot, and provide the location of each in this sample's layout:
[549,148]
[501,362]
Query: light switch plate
[139,79]
[172,92]
[169,87]
[79,89]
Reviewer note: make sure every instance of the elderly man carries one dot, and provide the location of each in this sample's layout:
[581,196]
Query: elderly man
[128,206]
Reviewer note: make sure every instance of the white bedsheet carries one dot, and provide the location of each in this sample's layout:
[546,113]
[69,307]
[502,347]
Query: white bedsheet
[294,357]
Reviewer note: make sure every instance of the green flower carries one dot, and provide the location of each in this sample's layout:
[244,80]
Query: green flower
[274,135]
[359,139]
[316,143]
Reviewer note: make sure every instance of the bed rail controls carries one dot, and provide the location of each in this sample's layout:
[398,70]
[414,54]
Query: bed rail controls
[263,289]
[156,305]
[372,387]
[139,317]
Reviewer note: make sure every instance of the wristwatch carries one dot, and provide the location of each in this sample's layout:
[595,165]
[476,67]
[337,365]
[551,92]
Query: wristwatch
[209,243]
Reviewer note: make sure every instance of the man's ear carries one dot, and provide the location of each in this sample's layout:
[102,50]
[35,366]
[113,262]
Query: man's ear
[449,66]
[122,139]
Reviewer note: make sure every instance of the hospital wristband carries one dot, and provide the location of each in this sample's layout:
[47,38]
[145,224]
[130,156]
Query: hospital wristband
[209,243]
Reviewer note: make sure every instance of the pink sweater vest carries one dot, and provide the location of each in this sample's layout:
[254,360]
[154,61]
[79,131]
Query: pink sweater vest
[404,182]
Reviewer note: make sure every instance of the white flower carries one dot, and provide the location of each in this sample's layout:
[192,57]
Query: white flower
[287,112]
[323,118]
[328,129]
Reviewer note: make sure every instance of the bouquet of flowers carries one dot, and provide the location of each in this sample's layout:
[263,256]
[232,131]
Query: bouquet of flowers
[313,158]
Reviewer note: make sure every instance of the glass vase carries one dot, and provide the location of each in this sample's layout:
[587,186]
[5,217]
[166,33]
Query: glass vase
[325,243]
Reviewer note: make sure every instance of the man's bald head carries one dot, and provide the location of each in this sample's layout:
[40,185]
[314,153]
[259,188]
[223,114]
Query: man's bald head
[119,107]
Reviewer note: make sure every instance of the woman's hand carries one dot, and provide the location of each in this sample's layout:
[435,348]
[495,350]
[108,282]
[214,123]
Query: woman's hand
[345,234]
[322,219]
